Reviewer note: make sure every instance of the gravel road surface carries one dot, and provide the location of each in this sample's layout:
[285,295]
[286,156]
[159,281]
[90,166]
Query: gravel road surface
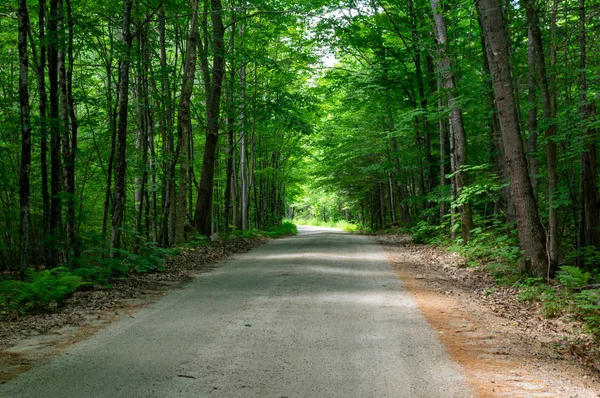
[321,315]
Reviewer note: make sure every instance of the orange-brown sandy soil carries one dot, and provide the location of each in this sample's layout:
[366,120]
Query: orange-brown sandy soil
[505,348]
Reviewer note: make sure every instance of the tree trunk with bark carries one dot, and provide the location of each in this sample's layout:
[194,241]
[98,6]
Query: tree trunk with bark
[588,221]
[229,172]
[244,177]
[205,190]
[532,114]
[55,237]
[121,142]
[25,166]
[456,119]
[69,136]
[551,159]
[530,229]
[184,125]
[42,107]
[111,112]
[166,230]
[496,144]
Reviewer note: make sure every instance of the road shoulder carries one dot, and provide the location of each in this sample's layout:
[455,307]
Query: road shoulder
[499,356]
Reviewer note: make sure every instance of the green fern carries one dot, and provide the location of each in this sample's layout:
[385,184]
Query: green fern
[40,290]
[572,277]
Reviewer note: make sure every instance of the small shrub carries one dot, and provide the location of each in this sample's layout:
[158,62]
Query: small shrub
[150,259]
[286,228]
[504,274]
[197,239]
[586,307]
[40,290]
[552,304]
[423,232]
[533,289]
[572,277]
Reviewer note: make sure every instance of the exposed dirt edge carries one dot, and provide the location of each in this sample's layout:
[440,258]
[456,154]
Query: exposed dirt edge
[499,356]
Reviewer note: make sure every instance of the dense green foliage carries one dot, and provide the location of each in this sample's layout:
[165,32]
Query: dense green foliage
[384,91]
[342,113]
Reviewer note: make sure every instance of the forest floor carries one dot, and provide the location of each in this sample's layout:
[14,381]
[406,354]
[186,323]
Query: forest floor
[505,347]
[24,340]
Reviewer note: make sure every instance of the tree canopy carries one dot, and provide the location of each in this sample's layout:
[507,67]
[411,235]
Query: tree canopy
[128,125]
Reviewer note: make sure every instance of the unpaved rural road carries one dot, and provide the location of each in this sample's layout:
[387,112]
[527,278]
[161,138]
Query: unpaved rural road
[321,315]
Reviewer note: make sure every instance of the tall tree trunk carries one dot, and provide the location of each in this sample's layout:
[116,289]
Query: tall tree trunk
[496,143]
[453,190]
[141,177]
[531,232]
[443,140]
[69,147]
[148,160]
[55,167]
[230,136]
[24,186]
[244,178]
[111,112]
[40,68]
[153,200]
[588,224]
[140,137]
[65,141]
[205,190]
[532,115]
[456,119]
[551,162]
[121,143]
[167,233]
[42,106]
[184,125]
[421,101]
[404,209]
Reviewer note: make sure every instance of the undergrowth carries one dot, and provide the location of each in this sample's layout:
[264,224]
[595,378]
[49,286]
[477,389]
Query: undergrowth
[286,228]
[40,290]
[571,293]
[47,290]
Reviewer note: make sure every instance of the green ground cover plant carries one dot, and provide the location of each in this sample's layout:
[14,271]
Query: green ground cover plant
[47,290]
[573,292]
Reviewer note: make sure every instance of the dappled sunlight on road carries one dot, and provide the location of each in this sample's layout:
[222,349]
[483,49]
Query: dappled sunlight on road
[368,273]
[316,315]
[368,299]
[315,256]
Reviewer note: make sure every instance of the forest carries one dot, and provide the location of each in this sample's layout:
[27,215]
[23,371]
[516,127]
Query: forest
[128,128]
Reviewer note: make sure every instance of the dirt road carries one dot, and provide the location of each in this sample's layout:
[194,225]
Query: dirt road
[321,314]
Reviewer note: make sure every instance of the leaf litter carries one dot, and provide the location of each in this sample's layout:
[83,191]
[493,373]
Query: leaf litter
[25,339]
[504,345]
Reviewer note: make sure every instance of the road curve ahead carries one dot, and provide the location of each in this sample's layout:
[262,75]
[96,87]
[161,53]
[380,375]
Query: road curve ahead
[319,315]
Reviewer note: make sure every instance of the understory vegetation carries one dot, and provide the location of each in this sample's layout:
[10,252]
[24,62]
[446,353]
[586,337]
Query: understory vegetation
[573,292]
[46,290]
[132,129]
